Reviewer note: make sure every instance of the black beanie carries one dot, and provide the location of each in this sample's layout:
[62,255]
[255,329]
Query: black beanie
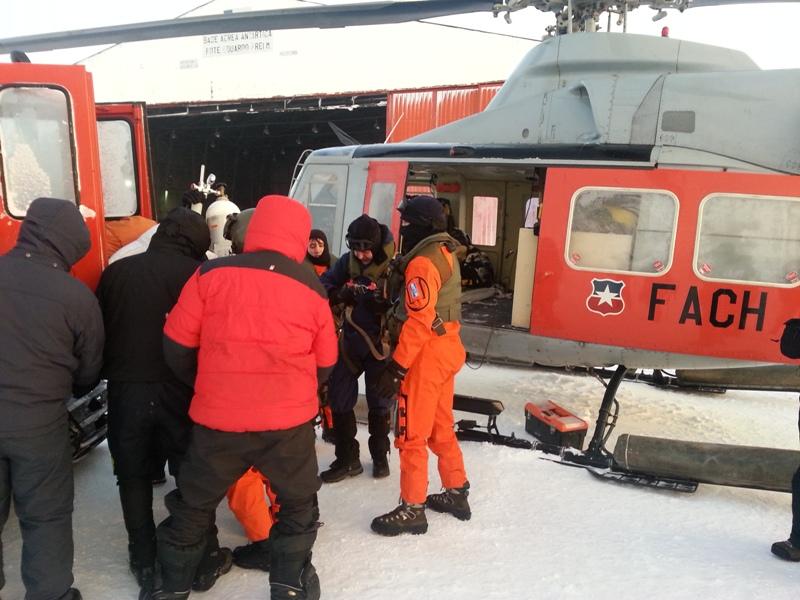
[365,228]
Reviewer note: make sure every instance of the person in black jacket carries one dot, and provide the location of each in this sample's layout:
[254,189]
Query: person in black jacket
[355,284]
[147,406]
[52,343]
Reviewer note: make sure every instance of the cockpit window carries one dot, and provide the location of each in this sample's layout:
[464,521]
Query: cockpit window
[622,230]
[750,239]
[322,189]
[35,147]
[117,168]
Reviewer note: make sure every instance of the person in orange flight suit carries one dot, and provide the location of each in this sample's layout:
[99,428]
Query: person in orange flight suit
[122,231]
[422,369]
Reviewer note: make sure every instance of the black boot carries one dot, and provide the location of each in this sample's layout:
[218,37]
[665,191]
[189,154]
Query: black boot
[347,463]
[178,567]
[292,576]
[453,501]
[379,443]
[215,563]
[255,555]
[406,518]
[72,594]
[786,550]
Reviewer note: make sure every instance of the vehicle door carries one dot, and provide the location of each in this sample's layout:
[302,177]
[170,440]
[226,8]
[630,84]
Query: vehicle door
[48,147]
[689,262]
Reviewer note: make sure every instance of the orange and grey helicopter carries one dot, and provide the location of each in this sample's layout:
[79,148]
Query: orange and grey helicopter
[665,174]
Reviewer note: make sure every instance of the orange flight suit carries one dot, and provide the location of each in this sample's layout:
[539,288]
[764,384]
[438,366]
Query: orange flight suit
[249,505]
[425,403]
[120,232]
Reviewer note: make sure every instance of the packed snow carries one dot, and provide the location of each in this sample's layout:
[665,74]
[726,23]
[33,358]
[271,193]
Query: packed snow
[538,529]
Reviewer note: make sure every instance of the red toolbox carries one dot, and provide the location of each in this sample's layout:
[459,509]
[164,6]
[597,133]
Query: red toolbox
[550,423]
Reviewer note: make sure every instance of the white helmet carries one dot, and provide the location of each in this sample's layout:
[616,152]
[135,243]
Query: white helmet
[216,215]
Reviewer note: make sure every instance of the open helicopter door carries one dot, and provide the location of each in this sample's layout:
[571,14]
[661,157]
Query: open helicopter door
[124,160]
[687,262]
[386,185]
[48,147]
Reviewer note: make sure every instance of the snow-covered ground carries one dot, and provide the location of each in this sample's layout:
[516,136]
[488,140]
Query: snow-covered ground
[538,530]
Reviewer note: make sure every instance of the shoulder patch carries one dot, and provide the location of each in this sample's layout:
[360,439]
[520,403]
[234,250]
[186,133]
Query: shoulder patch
[417,294]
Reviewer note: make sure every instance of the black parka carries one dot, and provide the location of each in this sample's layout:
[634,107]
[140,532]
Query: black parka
[51,329]
[137,292]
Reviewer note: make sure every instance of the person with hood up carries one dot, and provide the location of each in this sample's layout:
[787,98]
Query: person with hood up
[426,357]
[52,341]
[356,282]
[148,407]
[255,334]
[319,255]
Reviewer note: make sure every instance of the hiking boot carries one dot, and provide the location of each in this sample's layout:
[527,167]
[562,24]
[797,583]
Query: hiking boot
[163,595]
[220,563]
[786,550]
[453,501]
[341,469]
[406,518]
[380,467]
[253,556]
[309,588]
[145,577]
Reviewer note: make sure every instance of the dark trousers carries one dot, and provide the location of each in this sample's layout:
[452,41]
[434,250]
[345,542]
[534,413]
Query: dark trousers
[37,470]
[147,422]
[214,461]
[795,536]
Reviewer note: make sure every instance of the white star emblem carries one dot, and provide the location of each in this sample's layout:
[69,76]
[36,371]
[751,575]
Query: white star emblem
[606,296]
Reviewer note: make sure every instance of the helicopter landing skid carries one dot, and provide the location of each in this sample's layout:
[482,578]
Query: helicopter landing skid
[630,477]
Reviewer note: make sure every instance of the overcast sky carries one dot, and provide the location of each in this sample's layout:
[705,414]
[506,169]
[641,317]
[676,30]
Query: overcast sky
[766,32]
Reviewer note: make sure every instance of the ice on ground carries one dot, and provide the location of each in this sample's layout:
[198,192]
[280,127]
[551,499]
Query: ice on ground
[538,531]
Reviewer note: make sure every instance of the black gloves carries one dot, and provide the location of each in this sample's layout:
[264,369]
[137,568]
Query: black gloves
[376,303]
[346,295]
[192,197]
[389,381]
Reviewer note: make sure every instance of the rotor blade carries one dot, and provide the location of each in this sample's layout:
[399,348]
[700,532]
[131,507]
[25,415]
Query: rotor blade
[344,138]
[702,3]
[370,13]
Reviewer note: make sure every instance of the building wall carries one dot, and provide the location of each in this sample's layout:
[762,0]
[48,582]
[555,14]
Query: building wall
[411,112]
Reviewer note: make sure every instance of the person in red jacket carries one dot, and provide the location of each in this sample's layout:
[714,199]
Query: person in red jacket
[425,360]
[257,331]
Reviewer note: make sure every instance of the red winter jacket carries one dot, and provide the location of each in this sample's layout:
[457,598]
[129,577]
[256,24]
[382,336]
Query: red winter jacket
[262,324]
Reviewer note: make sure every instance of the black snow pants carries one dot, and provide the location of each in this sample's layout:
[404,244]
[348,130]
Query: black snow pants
[37,470]
[147,422]
[214,461]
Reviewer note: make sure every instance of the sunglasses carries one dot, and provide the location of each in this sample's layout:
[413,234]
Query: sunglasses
[359,244]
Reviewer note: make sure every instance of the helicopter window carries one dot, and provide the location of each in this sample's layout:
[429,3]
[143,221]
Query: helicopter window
[381,201]
[321,188]
[622,230]
[117,168]
[36,147]
[484,220]
[749,238]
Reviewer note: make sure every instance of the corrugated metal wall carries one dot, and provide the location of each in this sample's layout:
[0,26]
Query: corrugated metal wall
[413,112]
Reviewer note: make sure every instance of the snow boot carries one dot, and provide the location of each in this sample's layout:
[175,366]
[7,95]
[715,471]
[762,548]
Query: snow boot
[214,564]
[255,555]
[406,518]
[786,550]
[72,594]
[347,463]
[379,443]
[308,587]
[163,595]
[292,576]
[453,501]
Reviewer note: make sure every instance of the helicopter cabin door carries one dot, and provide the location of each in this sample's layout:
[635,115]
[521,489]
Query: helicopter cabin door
[386,184]
[124,160]
[48,147]
[689,262]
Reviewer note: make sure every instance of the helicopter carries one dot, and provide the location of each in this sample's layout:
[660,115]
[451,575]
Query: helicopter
[665,205]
